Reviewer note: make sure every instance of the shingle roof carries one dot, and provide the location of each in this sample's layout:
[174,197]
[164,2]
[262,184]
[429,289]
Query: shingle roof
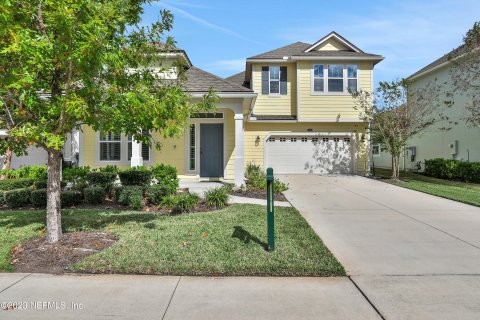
[451,55]
[238,78]
[198,80]
[299,48]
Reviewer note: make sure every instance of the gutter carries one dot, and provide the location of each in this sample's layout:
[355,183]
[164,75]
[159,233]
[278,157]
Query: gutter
[227,94]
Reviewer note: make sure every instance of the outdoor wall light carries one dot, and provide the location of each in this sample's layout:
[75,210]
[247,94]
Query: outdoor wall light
[257,141]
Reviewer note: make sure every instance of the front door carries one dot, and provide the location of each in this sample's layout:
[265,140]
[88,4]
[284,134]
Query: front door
[211,150]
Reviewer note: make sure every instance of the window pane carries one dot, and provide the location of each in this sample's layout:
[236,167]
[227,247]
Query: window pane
[115,151]
[318,71]
[335,85]
[192,147]
[110,151]
[318,85]
[376,150]
[145,152]
[352,71]
[335,71]
[352,84]
[274,73]
[274,86]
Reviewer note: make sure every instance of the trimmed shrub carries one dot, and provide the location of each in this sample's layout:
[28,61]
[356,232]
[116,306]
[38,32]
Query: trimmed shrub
[17,198]
[94,195]
[453,169]
[109,168]
[70,198]
[136,202]
[257,180]
[75,175]
[128,195]
[2,198]
[156,193]
[181,203]
[80,187]
[138,176]
[13,184]
[39,198]
[166,175]
[101,178]
[217,198]
[43,184]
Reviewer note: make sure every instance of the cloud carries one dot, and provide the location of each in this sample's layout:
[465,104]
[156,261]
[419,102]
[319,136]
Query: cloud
[409,34]
[203,22]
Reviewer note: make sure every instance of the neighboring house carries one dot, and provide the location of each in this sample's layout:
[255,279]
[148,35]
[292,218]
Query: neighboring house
[289,110]
[450,137]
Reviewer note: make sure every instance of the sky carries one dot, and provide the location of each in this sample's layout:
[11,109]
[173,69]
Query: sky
[219,35]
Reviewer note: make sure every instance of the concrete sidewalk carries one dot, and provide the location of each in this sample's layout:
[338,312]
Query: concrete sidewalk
[158,297]
[415,256]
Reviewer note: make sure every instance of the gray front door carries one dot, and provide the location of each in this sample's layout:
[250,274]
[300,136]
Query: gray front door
[211,150]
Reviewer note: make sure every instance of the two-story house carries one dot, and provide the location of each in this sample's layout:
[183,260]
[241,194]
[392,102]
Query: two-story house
[289,110]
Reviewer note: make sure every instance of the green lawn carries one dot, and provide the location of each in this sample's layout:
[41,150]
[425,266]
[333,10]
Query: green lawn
[459,191]
[224,242]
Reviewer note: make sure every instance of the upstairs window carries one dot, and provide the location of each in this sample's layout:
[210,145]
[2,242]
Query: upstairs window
[274,80]
[335,78]
[318,78]
[352,77]
[376,150]
[110,146]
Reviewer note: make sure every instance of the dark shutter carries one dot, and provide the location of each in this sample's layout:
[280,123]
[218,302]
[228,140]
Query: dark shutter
[265,77]
[283,80]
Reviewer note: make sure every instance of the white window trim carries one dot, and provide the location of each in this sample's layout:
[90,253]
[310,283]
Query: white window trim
[100,141]
[326,77]
[270,93]
[376,155]
[123,152]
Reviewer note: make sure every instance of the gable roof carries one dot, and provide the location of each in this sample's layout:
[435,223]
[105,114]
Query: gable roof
[301,49]
[339,38]
[441,61]
[238,79]
[198,80]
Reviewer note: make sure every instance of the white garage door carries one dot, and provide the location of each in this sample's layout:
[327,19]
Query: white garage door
[307,154]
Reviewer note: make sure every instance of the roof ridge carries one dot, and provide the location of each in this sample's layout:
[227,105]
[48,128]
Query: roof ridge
[219,78]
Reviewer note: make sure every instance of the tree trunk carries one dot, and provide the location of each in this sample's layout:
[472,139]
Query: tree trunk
[395,160]
[54,215]
[7,162]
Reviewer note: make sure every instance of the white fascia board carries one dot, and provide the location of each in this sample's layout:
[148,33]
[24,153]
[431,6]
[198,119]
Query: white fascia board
[343,58]
[269,60]
[316,44]
[226,94]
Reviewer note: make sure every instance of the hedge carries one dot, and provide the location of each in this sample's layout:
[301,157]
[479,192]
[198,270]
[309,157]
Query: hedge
[18,198]
[166,175]
[156,193]
[42,184]
[101,178]
[70,198]
[130,196]
[39,198]
[13,184]
[453,170]
[94,195]
[135,177]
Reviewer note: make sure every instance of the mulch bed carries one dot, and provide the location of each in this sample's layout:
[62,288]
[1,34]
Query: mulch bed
[257,194]
[39,256]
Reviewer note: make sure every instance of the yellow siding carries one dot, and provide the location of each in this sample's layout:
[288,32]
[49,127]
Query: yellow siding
[172,152]
[331,45]
[276,104]
[329,106]
[254,152]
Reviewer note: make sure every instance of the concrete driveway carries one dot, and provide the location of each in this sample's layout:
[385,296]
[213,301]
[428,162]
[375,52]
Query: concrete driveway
[413,255]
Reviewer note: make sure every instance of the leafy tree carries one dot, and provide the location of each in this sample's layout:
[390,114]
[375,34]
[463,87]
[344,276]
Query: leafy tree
[465,73]
[68,63]
[395,115]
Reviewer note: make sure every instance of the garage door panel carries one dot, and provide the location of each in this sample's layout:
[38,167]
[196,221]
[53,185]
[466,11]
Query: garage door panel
[309,155]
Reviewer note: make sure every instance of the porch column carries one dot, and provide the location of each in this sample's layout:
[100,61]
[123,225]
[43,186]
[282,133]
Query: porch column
[239,150]
[137,159]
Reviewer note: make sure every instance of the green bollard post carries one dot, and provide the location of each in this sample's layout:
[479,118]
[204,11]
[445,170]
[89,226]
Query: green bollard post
[270,210]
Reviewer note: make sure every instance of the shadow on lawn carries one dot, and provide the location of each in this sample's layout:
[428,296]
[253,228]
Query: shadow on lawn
[246,237]
[73,220]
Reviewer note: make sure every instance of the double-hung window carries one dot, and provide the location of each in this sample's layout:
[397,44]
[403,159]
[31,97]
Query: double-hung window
[352,77]
[274,80]
[335,78]
[318,78]
[145,150]
[110,146]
